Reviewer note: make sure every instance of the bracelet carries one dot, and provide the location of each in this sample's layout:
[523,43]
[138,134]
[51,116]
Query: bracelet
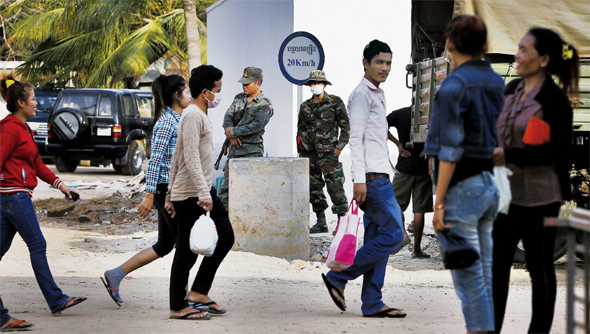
[439,207]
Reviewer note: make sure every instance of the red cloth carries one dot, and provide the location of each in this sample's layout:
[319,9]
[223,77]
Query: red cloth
[537,132]
[20,164]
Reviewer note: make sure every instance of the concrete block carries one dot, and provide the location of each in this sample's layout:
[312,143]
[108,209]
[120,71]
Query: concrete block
[269,206]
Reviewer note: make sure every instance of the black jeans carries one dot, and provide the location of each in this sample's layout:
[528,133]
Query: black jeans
[166,224]
[187,213]
[526,223]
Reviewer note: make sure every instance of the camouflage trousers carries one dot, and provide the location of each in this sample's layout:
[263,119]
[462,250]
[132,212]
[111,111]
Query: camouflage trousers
[224,190]
[329,169]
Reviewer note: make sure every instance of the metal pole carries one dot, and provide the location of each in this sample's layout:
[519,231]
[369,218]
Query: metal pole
[571,256]
[299,96]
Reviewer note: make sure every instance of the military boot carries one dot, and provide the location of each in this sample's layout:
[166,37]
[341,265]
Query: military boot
[320,226]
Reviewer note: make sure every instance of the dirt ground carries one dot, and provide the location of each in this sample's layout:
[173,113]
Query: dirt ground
[263,294]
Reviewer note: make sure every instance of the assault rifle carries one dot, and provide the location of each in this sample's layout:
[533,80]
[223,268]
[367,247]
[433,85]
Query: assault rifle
[226,143]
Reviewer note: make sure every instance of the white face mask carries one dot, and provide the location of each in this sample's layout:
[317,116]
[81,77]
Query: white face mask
[317,89]
[216,100]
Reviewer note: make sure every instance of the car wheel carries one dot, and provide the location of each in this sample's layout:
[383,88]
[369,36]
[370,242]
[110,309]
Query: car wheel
[117,168]
[135,158]
[66,165]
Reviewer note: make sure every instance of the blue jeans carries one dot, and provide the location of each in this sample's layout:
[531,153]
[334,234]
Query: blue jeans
[470,207]
[4,317]
[18,215]
[383,234]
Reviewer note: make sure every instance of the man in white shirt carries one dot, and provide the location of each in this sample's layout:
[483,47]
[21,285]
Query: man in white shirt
[371,170]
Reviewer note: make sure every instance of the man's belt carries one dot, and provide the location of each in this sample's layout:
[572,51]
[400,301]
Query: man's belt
[375,176]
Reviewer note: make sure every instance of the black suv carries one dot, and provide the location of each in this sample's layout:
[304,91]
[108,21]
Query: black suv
[46,98]
[101,125]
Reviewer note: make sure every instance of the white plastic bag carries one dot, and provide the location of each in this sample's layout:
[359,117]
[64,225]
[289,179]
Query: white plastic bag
[204,236]
[501,174]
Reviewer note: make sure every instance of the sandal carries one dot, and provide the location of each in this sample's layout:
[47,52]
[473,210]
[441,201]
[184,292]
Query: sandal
[207,307]
[17,326]
[186,316]
[385,314]
[75,301]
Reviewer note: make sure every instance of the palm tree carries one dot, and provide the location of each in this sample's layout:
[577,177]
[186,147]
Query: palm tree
[98,43]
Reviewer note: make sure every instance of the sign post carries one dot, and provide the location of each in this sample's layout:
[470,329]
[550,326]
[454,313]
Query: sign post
[300,53]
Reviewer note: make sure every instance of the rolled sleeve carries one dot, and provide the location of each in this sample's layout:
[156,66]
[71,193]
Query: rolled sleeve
[263,116]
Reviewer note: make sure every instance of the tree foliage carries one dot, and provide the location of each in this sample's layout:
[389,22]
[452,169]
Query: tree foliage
[96,43]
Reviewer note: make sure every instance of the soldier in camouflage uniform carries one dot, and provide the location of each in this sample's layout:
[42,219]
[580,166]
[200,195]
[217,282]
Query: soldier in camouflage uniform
[254,111]
[320,117]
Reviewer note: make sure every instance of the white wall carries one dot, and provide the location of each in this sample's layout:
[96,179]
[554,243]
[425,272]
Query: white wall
[249,33]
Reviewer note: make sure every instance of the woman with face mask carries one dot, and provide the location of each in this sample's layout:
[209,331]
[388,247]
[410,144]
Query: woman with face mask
[191,195]
[535,140]
[171,96]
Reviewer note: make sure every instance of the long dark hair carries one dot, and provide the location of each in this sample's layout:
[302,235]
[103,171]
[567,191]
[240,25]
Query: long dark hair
[564,61]
[13,90]
[164,88]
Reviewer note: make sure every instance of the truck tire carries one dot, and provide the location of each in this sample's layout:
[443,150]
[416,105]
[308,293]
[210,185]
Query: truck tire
[135,158]
[68,123]
[64,165]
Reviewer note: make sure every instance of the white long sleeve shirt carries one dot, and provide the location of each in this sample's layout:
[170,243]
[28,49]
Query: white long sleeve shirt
[367,112]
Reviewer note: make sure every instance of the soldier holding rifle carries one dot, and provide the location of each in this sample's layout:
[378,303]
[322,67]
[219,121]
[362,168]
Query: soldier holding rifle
[244,124]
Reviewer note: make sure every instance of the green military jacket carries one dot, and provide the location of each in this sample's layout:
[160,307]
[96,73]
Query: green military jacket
[318,123]
[254,117]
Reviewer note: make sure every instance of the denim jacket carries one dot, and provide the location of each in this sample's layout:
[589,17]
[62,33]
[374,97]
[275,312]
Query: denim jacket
[465,111]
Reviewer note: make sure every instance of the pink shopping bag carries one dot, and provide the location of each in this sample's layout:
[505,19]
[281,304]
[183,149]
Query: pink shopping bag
[343,247]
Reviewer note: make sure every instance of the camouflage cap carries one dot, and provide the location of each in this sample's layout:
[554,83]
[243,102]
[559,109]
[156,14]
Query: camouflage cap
[317,76]
[251,74]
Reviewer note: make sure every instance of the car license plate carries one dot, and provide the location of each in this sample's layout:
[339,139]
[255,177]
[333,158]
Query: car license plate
[103,131]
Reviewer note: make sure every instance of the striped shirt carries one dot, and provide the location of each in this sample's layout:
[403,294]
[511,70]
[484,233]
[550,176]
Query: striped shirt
[163,145]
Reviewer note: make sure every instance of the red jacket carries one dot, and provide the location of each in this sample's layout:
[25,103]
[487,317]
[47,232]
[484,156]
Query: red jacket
[20,164]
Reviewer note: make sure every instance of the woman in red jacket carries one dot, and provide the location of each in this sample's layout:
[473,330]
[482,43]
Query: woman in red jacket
[20,165]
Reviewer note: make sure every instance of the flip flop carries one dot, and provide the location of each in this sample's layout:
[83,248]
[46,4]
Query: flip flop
[207,307]
[112,292]
[77,300]
[186,316]
[422,255]
[385,314]
[403,244]
[331,288]
[17,327]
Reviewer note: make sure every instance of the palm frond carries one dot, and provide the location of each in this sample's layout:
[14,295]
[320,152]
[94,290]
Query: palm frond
[36,29]
[134,55]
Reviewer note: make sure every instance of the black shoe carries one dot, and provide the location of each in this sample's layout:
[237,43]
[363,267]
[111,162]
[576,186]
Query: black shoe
[317,228]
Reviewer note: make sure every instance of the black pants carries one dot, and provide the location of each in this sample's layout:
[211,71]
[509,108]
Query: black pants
[187,213]
[526,224]
[166,224]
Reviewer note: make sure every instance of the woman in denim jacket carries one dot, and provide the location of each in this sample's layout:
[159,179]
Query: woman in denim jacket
[462,137]
[540,180]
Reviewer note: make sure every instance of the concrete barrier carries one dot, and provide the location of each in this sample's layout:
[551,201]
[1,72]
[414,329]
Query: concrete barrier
[269,206]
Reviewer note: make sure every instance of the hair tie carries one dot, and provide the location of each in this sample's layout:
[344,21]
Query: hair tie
[566,52]
[9,83]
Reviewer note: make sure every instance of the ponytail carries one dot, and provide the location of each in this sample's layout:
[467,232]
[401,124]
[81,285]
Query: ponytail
[163,89]
[13,90]
[564,61]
